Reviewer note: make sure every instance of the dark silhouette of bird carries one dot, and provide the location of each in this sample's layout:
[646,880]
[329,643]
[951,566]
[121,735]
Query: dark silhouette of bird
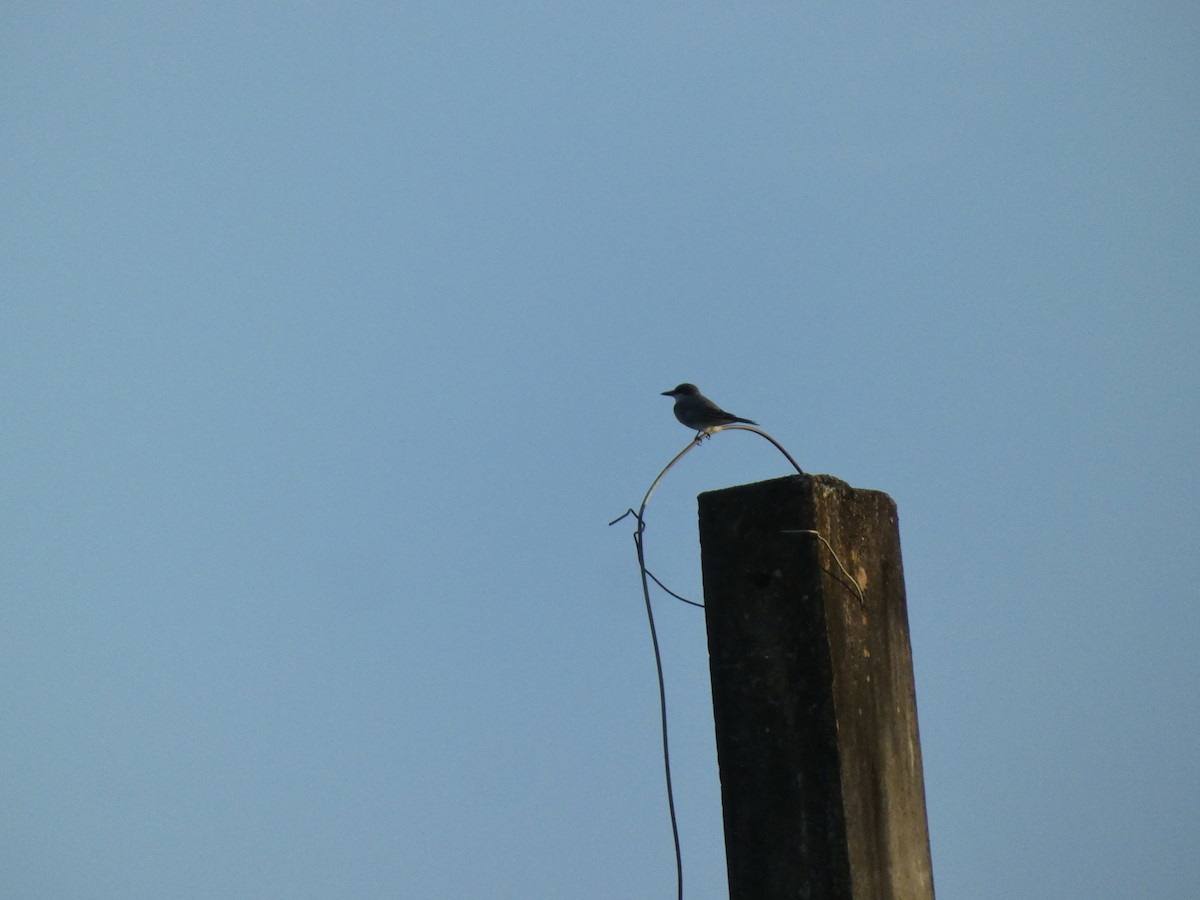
[699,413]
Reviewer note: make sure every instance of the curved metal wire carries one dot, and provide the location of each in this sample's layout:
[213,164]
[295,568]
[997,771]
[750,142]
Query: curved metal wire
[641,556]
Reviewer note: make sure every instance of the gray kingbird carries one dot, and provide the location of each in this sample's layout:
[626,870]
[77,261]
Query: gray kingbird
[699,413]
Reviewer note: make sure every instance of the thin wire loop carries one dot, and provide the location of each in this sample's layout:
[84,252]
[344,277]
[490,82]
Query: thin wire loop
[639,516]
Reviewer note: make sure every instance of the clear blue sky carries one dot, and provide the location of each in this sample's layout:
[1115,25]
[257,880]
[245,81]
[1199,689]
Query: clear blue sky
[332,336]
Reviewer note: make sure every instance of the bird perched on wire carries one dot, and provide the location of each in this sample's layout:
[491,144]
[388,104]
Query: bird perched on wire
[696,411]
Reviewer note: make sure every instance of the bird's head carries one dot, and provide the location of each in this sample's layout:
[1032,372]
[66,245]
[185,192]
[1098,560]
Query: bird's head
[684,390]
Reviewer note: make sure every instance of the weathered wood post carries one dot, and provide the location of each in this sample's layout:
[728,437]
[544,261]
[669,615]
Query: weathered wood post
[816,716]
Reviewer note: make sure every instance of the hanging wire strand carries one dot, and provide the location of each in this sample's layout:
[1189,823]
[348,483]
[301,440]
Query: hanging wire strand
[647,576]
[640,518]
[671,592]
[862,601]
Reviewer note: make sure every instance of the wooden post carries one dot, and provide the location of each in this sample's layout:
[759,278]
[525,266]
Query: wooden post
[813,697]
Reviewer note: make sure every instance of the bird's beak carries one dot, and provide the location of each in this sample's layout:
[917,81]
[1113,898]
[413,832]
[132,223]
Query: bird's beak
[668,393]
